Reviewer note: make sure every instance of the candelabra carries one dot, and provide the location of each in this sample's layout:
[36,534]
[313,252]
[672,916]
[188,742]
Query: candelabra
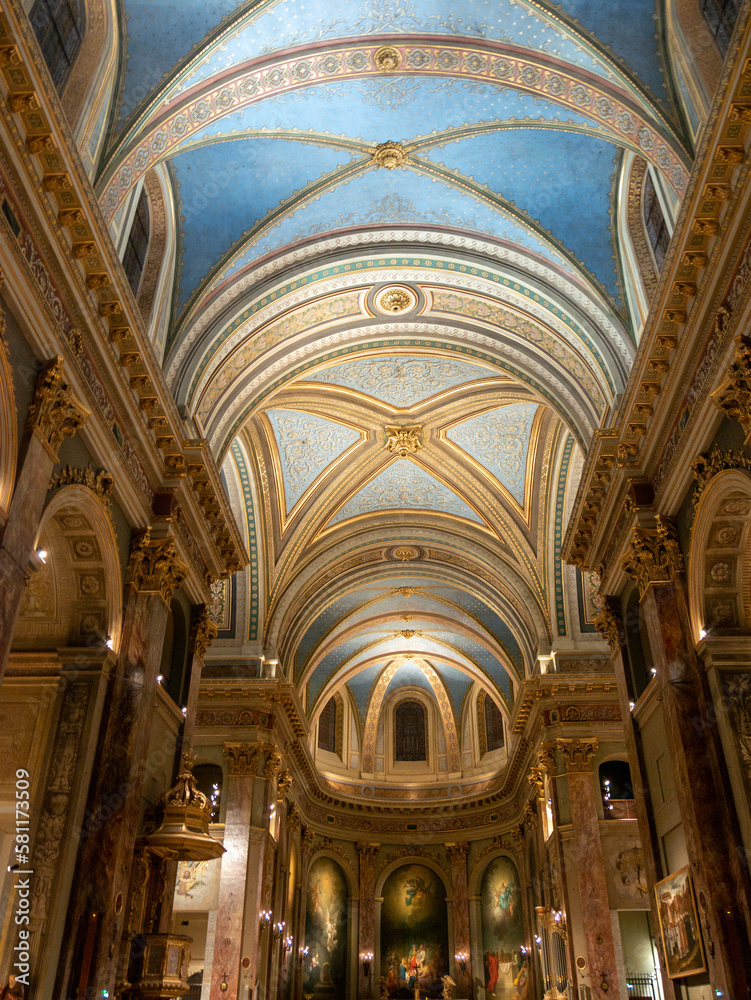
[461,960]
[366,958]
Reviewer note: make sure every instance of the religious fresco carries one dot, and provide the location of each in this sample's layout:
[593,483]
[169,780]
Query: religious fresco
[197,885]
[414,932]
[502,926]
[325,964]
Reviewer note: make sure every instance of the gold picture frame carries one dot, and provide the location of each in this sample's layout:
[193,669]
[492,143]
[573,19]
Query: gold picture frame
[680,930]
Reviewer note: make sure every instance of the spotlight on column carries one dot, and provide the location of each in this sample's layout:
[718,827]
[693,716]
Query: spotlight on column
[366,958]
[42,555]
[108,642]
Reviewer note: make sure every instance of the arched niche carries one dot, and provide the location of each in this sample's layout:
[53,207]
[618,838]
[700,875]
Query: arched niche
[414,931]
[74,598]
[719,564]
[502,910]
[326,928]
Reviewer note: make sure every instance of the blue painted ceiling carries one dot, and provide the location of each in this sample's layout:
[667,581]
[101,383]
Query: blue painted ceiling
[299,163]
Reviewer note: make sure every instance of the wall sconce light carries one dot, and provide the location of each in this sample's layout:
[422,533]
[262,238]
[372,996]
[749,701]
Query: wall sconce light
[278,930]
[223,986]
[264,919]
[304,951]
[288,943]
[366,958]
[461,960]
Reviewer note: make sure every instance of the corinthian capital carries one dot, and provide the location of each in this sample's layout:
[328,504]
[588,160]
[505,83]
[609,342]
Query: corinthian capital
[153,566]
[54,413]
[242,758]
[654,556]
[734,395]
[202,633]
[578,754]
[610,624]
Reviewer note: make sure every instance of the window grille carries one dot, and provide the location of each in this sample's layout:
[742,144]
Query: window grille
[138,244]
[410,742]
[654,221]
[327,727]
[58,25]
[720,16]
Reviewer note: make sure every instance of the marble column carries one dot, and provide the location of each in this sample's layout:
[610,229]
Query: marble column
[96,912]
[306,850]
[80,696]
[610,624]
[457,854]
[244,760]
[366,854]
[713,840]
[53,415]
[590,864]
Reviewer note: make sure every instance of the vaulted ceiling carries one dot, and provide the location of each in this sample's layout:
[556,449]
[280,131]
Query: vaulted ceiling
[399,216]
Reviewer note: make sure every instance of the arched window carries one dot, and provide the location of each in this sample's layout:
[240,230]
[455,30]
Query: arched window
[58,25]
[654,222]
[720,16]
[410,736]
[637,642]
[138,243]
[209,780]
[327,727]
[617,790]
[493,725]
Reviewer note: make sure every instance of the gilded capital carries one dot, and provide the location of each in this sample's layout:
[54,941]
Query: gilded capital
[734,395]
[283,783]
[537,779]
[293,818]
[153,566]
[546,758]
[202,633]
[578,754]
[242,757]
[54,413]
[308,836]
[518,834]
[367,853]
[610,624]
[654,556]
[457,853]
[272,763]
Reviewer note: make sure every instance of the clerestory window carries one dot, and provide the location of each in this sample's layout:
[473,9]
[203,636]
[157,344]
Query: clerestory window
[58,25]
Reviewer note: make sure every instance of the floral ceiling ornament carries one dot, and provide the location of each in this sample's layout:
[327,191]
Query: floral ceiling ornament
[387,58]
[390,155]
[403,441]
[395,300]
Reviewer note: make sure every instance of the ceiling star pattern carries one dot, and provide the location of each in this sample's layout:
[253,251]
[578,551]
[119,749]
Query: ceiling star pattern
[403,292]
[499,441]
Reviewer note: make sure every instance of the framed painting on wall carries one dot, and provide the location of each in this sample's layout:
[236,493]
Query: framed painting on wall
[679,925]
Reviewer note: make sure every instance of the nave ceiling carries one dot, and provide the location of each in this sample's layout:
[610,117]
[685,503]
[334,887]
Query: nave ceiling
[399,225]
